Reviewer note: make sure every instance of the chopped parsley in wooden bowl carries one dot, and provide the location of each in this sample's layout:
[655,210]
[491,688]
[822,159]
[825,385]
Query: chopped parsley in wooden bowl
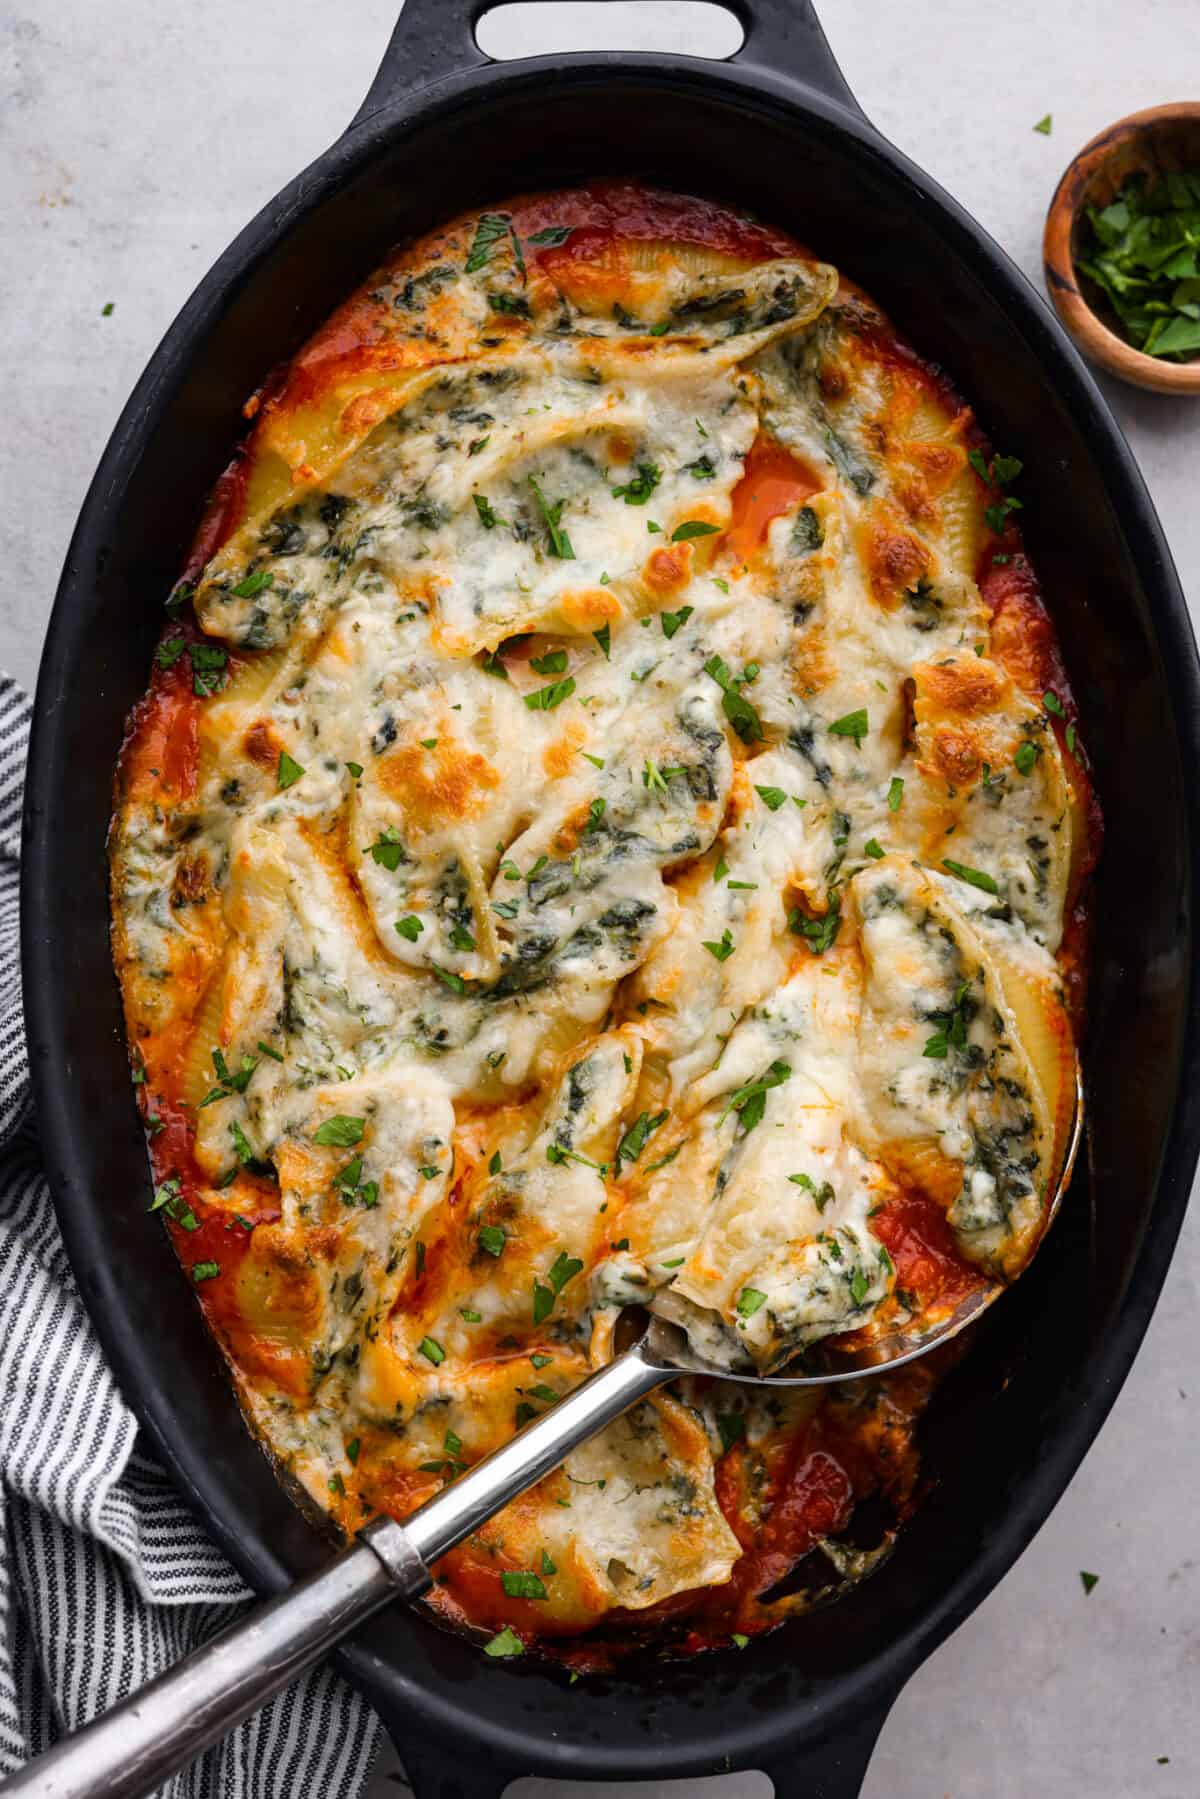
[1122,248]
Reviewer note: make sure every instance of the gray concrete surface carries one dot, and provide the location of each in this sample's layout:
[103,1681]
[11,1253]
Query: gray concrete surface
[135,138]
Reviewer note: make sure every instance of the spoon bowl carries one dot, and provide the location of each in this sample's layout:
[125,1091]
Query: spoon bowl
[663,1344]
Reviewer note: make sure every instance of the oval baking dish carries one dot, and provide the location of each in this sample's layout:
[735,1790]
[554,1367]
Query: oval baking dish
[443,129]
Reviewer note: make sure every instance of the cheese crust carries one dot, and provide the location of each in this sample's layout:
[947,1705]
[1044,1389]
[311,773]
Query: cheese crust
[607,826]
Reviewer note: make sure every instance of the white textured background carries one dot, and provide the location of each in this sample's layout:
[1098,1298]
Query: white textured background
[135,139]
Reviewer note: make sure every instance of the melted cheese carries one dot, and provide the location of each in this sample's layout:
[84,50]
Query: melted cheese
[559,910]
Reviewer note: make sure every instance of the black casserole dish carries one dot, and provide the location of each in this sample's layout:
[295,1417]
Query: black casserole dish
[776,130]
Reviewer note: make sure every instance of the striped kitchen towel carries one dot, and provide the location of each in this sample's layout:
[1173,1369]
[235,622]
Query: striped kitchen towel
[106,1579]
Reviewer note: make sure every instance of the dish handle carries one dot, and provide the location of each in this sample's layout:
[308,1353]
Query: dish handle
[434,39]
[832,1769]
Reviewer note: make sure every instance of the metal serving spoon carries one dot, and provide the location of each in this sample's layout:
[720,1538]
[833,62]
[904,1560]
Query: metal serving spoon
[171,1720]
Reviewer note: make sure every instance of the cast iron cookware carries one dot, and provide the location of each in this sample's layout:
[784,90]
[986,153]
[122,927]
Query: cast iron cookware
[775,129]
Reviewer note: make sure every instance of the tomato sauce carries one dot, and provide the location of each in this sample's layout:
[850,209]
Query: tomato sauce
[913,1230]
[774,481]
[604,211]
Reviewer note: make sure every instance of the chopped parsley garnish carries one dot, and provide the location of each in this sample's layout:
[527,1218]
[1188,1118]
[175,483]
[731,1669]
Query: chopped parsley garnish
[209,662]
[852,724]
[229,1081]
[874,849]
[819,933]
[355,769]
[976,876]
[997,514]
[410,927]
[750,1101]
[636,1137]
[504,1644]
[449,979]
[693,527]
[1090,1581]
[169,1198]
[895,793]
[354,1191]
[595,818]
[477,444]
[205,1271]
[468,1316]
[432,1350]
[860,1286]
[723,950]
[749,1301]
[487,517]
[461,938]
[560,543]
[551,235]
[952,1026]
[518,1585]
[737,708]
[771,797]
[604,638]
[554,662]
[1025,760]
[491,1239]
[513,304]
[671,621]
[249,585]
[545,699]
[169,651]
[339,1132]
[1045,125]
[387,849]
[1052,703]
[288,771]
[703,468]
[739,1639]
[638,491]
[822,1192]
[491,228]
[565,1268]
[999,472]
[243,1148]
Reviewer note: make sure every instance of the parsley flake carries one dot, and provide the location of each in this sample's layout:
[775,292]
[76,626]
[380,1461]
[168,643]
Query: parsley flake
[852,724]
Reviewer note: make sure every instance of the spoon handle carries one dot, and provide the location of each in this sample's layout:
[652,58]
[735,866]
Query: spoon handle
[164,1725]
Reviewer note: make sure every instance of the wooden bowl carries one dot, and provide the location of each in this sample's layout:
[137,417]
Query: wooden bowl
[1162,137]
